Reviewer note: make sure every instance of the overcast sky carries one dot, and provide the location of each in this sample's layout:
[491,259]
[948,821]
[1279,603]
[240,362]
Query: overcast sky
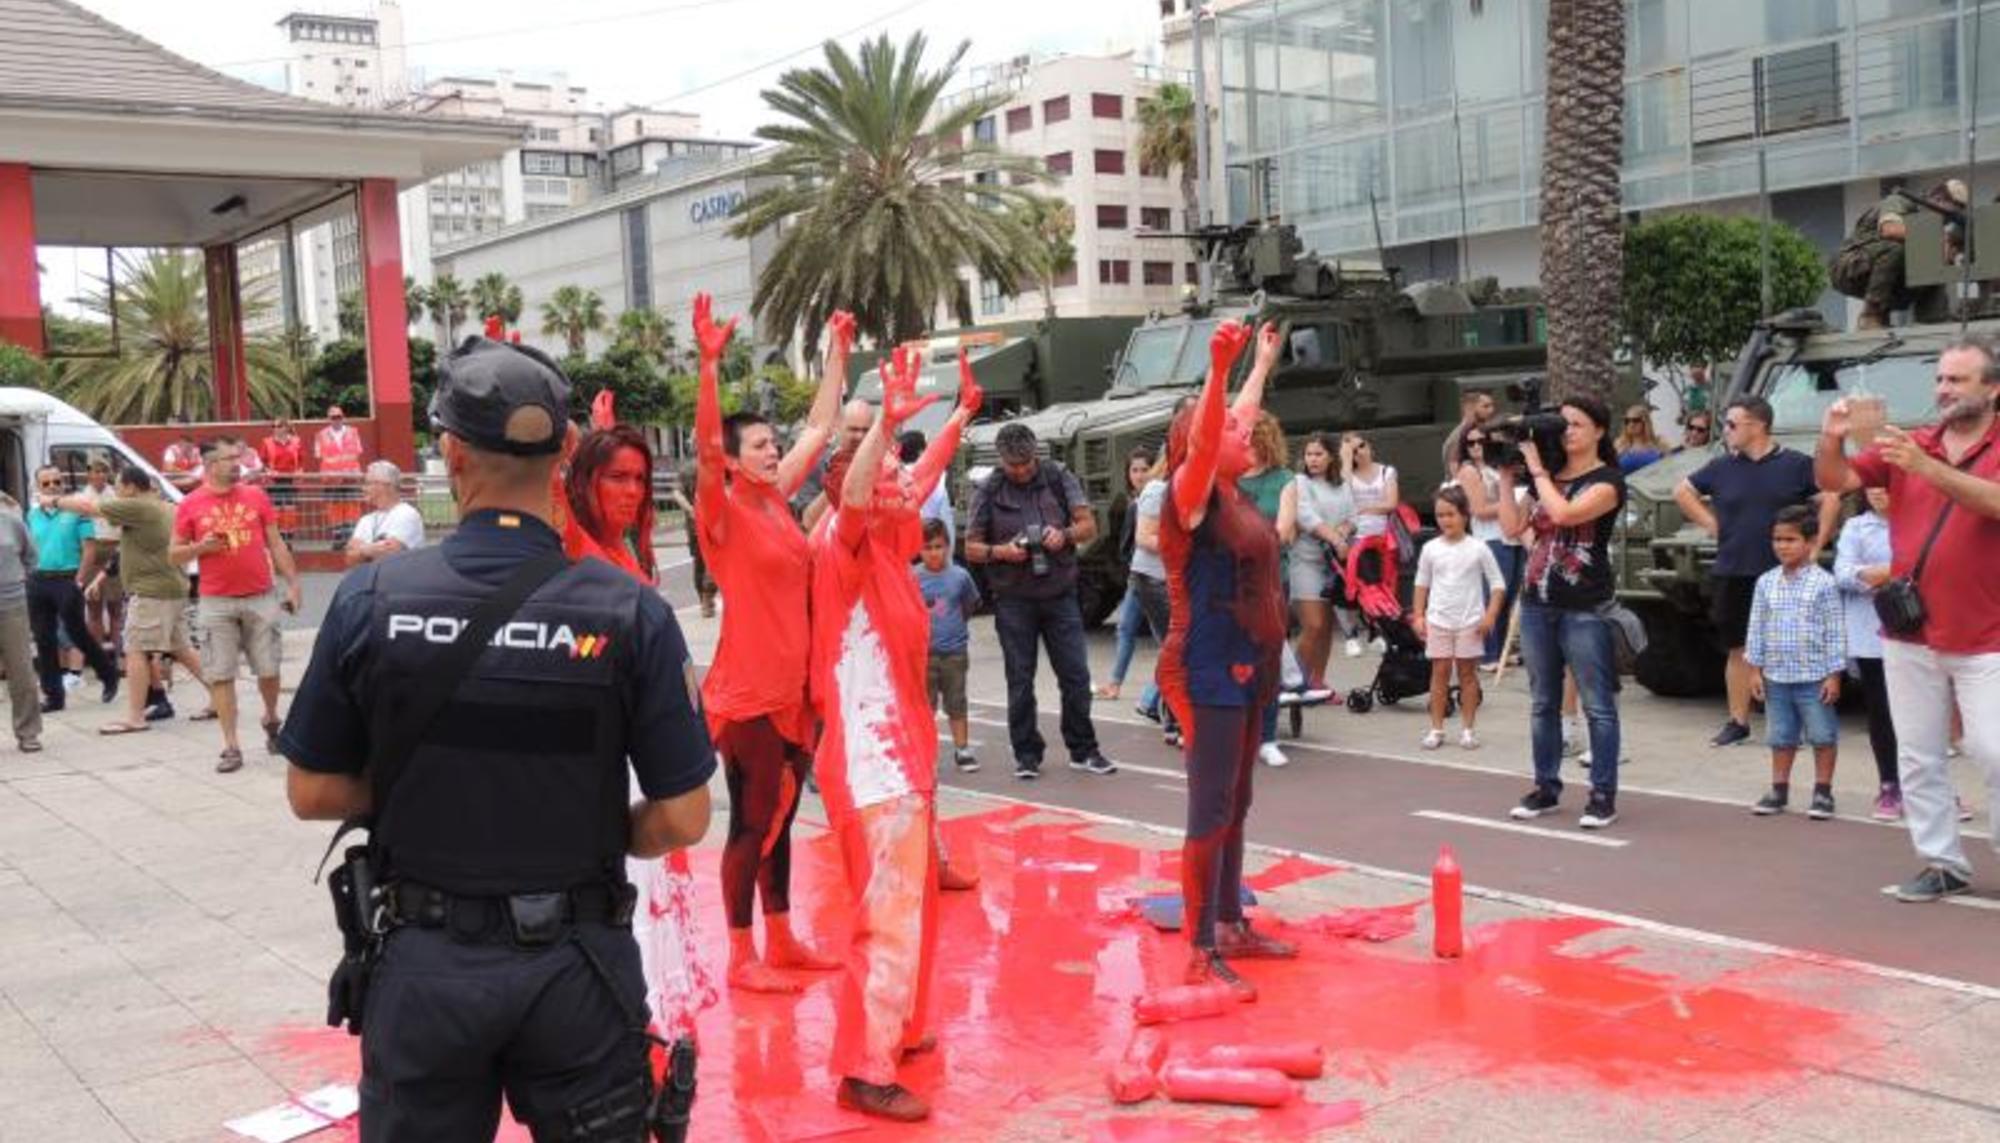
[705,56]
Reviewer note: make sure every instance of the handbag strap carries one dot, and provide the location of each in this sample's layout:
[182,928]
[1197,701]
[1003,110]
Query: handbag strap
[1924,553]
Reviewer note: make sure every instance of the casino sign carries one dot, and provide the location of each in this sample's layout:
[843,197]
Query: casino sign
[710,208]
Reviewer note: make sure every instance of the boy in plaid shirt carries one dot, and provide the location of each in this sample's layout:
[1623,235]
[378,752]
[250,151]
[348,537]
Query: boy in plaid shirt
[1797,650]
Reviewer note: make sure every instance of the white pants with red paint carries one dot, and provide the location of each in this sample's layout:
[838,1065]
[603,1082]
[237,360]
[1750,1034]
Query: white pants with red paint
[892,880]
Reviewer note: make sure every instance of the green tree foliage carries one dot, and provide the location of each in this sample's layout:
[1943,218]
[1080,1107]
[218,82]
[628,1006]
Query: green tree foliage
[573,314]
[351,316]
[1693,287]
[161,366]
[493,295]
[877,194]
[339,376]
[1052,223]
[416,300]
[448,303]
[20,369]
[643,396]
[1166,139]
[647,332]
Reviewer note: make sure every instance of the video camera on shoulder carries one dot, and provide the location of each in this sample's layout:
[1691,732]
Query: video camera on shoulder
[1536,422]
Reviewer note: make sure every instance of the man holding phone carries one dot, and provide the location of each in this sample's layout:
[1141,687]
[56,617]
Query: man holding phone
[232,531]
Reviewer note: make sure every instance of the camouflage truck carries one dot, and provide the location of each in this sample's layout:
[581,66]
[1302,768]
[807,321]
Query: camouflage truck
[1360,353]
[1021,366]
[1801,363]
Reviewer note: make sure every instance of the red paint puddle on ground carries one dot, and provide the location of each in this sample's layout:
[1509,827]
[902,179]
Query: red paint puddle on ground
[1287,870]
[1036,978]
[1383,923]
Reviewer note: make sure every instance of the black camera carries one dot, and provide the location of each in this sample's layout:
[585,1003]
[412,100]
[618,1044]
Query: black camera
[1038,553]
[1536,422]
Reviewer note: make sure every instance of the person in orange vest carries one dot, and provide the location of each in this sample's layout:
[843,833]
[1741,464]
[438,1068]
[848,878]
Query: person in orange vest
[338,445]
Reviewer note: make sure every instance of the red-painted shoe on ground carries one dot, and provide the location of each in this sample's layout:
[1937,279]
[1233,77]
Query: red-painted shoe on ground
[952,879]
[893,1101]
[1241,942]
[1206,966]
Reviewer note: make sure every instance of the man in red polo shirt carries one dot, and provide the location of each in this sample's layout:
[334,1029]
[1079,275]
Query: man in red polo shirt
[1943,479]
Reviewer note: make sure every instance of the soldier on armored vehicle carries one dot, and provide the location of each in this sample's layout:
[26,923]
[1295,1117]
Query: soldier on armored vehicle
[1871,264]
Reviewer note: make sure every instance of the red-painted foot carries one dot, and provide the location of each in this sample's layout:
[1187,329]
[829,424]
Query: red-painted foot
[756,976]
[1207,966]
[890,1101]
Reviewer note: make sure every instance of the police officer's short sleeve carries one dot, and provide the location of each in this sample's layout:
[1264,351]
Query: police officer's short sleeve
[326,730]
[668,738]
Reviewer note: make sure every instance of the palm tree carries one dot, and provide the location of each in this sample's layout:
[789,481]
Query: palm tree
[448,304]
[572,314]
[1053,224]
[416,300]
[1583,231]
[162,364]
[494,296]
[879,199]
[1166,141]
[646,331]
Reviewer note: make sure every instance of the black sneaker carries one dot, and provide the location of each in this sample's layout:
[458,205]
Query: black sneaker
[966,761]
[1732,733]
[1931,885]
[50,706]
[1095,764]
[1771,803]
[1822,806]
[160,711]
[110,689]
[1601,812]
[1027,770]
[1540,800]
[1149,713]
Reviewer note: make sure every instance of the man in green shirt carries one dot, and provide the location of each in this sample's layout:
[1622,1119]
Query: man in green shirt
[55,593]
[156,589]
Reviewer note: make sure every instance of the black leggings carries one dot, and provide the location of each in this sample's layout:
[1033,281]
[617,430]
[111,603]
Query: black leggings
[1221,759]
[756,761]
[1881,722]
[1154,605]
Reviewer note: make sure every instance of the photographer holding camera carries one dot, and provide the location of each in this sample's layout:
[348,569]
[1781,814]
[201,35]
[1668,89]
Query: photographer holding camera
[1576,496]
[1027,519]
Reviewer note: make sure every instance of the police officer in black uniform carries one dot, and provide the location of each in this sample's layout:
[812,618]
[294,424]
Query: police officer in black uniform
[506,962]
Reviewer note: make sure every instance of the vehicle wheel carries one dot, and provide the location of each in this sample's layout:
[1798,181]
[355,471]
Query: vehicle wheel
[1097,598]
[1680,659]
[1360,700]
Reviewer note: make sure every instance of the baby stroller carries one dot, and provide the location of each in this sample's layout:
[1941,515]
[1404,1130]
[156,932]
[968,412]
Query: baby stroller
[1372,586]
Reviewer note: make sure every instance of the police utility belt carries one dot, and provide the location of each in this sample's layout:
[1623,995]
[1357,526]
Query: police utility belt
[525,920]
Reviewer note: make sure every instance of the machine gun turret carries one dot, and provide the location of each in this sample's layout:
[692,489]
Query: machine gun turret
[1255,257]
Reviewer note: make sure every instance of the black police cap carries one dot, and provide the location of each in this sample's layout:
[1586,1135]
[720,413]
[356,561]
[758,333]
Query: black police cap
[483,385]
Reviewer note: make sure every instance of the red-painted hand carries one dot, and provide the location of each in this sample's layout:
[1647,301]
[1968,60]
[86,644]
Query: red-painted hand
[970,395]
[711,338]
[1227,343]
[602,413]
[899,387]
[839,333]
[496,330]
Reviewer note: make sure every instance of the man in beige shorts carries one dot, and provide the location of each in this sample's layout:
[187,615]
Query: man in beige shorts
[156,588]
[231,529]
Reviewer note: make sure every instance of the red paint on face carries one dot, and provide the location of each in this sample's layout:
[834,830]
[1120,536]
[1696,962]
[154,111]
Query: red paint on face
[1037,970]
[620,489]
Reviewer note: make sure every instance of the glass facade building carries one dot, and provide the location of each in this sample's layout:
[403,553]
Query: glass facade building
[1424,120]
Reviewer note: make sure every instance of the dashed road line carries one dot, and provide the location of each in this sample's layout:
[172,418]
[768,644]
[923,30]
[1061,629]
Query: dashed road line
[1531,831]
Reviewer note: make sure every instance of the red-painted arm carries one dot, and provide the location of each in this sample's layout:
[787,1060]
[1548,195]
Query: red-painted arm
[1194,480]
[805,452]
[1250,401]
[931,466]
[711,497]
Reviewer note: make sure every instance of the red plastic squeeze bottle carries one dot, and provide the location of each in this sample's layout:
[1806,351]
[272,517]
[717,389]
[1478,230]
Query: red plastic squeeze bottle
[1184,1002]
[1249,1087]
[1297,1060]
[1447,905]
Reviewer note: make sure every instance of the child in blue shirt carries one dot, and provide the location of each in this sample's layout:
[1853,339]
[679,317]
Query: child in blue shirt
[1797,649]
[951,597]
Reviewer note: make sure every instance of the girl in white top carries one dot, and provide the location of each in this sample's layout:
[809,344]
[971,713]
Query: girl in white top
[1371,484]
[1457,602]
[1481,483]
[1325,522]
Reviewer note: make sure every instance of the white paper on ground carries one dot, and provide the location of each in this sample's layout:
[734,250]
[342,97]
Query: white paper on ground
[335,1101]
[314,1111]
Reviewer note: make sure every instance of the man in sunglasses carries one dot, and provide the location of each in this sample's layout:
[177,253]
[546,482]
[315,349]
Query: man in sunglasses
[1698,433]
[55,592]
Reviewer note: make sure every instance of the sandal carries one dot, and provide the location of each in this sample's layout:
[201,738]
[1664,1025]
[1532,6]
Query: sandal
[207,715]
[122,728]
[230,762]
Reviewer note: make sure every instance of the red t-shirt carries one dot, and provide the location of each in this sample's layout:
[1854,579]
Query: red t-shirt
[759,567]
[243,515]
[871,647]
[1961,594]
[283,457]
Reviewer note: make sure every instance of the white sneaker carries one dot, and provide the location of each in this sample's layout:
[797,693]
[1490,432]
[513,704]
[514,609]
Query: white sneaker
[1468,740]
[1353,648]
[1433,739]
[1271,756]
[1379,647]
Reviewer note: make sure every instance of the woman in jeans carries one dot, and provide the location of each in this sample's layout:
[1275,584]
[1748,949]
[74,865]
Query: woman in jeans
[1269,486]
[1139,464]
[1481,484]
[1148,579]
[1569,520]
[1325,523]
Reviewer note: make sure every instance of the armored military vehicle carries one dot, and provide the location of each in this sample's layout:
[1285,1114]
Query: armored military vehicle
[1361,353]
[1020,366]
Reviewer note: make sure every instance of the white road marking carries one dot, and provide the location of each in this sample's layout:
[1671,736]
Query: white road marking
[1531,831]
[1968,902]
[1134,767]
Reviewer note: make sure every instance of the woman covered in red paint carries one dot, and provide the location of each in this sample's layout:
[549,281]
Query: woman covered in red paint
[607,492]
[1219,666]
[755,691]
[877,756]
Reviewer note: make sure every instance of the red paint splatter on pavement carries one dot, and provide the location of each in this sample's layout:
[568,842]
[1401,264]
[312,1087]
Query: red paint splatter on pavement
[1034,990]
[1384,923]
[1288,870]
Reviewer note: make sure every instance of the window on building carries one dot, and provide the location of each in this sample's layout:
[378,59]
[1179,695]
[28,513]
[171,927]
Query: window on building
[1109,162]
[360,63]
[1156,218]
[1193,274]
[1114,272]
[1059,163]
[986,178]
[359,91]
[1066,277]
[983,130]
[1157,273]
[1104,106]
[1150,170]
[1020,119]
[541,163]
[638,126]
[638,259]
[1055,110]
[991,300]
[1110,217]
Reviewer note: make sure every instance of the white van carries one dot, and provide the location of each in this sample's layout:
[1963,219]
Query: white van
[38,429]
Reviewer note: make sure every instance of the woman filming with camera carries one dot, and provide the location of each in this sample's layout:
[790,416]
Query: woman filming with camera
[1568,521]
